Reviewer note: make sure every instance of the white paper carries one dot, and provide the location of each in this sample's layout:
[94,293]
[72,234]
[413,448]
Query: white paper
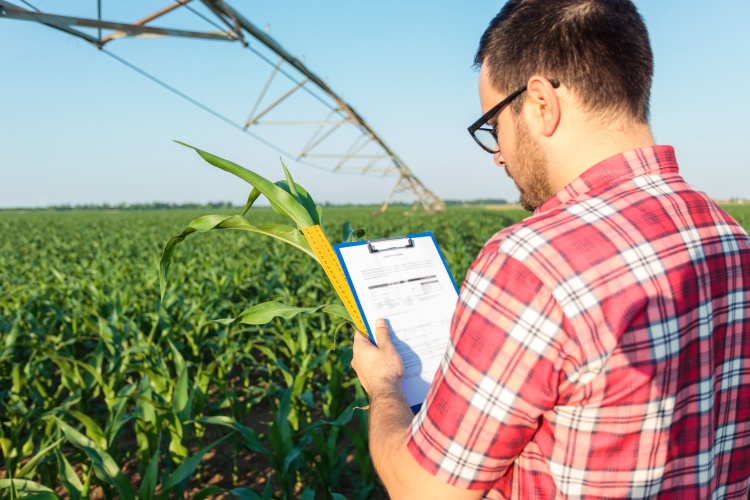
[413,290]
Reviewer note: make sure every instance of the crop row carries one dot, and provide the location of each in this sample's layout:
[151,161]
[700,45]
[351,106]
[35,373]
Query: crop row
[107,393]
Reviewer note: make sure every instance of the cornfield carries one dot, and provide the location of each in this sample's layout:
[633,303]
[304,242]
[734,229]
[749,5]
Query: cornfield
[108,392]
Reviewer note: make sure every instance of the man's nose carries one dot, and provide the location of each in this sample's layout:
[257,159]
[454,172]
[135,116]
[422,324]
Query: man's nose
[499,160]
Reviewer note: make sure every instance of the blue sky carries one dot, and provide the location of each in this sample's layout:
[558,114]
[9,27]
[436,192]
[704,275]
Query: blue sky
[78,127]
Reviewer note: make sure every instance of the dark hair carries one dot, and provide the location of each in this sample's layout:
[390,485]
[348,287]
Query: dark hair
[597,48]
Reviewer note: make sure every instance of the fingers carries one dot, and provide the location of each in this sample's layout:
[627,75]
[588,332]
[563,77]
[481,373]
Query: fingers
[361,337]
[377,367]
[382,334]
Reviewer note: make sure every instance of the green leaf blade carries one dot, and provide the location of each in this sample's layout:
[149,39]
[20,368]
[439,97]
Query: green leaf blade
[187,467]
[104,465]
[24,486]
[287,234]
[281,201]
[150,478]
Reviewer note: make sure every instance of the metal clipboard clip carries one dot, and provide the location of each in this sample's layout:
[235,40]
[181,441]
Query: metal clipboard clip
[385,244]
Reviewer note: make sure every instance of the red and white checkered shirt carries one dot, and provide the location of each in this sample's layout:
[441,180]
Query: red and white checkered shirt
[599,348]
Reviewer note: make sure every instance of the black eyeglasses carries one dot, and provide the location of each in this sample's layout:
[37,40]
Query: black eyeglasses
[486,135]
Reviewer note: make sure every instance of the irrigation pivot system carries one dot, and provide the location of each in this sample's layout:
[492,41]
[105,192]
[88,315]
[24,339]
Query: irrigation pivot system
[357,148]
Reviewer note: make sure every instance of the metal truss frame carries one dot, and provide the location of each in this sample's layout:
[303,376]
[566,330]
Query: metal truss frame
[234,27]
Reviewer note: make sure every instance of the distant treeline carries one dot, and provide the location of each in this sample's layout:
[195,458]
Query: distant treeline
[481,201]
[216,205]
[155,205]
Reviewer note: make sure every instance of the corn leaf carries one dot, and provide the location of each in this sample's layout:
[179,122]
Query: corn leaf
[246,494]
[281,201]
[293,455]
[148,485]
[261,314]
[338,311]
[177,436]
[281,432]
[254,194]
[25,486]
[206,223]
[66,366]
[31,464]
[302,196]
[267,490]
[181,400]
[179,360]
[296,190]
[291,187]
[249,435]
[70,480]
[93,431]
[208,492]
[104,466]
[187,467]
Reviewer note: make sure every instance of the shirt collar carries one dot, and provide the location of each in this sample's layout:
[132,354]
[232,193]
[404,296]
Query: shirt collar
[651,160]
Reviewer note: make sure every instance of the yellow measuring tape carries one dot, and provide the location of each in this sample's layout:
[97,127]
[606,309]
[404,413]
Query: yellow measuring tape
[327,257]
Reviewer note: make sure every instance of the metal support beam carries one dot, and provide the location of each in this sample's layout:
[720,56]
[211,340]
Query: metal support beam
[314,141]
[11,11]
[263,92]
[131,30]
[352,153]
[367,154]
[276,103]
[144,20]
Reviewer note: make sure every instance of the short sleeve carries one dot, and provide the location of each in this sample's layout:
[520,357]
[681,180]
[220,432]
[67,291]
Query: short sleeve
[498,375]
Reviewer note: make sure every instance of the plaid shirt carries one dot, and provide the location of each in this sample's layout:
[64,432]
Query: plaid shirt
[599,348]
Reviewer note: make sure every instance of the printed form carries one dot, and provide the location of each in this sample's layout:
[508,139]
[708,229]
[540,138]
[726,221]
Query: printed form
[405,281]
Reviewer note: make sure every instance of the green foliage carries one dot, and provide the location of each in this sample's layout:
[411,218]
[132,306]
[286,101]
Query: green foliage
[288,199]
[740,213]
[106,391]
[284,200]
[287,234]
[100,380]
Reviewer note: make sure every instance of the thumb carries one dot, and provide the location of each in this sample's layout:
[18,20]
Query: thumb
[382,333]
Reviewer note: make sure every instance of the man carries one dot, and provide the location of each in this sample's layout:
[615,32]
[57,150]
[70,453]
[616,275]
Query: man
[598,348]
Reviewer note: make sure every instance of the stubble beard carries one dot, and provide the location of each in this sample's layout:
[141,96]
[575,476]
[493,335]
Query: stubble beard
[529,170]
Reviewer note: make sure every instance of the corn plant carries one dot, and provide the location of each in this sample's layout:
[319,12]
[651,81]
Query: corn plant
[298,363]
[287,198]
[95,364]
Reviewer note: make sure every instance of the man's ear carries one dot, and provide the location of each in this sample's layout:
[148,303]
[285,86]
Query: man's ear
[543,104]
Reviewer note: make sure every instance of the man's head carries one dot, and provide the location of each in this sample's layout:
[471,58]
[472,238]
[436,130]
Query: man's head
[599,49]
[571,69]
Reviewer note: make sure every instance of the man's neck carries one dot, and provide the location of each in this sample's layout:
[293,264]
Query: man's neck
[590,145]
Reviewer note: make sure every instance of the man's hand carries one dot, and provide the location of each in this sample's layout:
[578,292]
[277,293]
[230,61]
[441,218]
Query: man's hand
[379,368]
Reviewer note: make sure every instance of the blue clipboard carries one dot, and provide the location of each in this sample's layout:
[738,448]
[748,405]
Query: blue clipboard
[409,267]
